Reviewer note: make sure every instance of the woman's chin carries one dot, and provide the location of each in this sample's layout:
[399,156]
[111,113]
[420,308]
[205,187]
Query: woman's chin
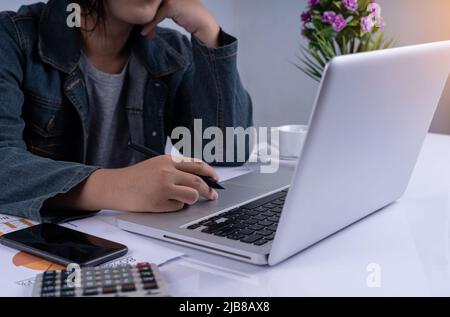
[142,20]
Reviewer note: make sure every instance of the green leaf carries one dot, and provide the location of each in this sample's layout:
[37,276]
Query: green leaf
[313,68]
[389,43]
[363,4]
[318,58]
[309,73]
[378,41]
[309,60]
[325,48]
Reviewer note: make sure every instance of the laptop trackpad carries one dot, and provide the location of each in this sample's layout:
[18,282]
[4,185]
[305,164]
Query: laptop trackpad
[248,187]
[268,182]
[236,194]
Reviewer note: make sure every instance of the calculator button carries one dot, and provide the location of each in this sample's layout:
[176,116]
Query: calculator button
[146,273]
[68,293]
[90,274]
[90,292]
[143,266]
[49,283]
[89,284]
[108,282]
[124,270]
[48,294]
[48,289]
[147,279]
[89,279]
[49,280]
[67,288]
[49,275]
[109,290]
[150,285]
[128,287]
[127,281]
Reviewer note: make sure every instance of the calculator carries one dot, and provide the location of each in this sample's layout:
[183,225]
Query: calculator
[141,280]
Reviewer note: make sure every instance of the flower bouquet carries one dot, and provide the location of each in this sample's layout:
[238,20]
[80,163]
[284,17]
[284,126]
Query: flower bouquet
[339,27]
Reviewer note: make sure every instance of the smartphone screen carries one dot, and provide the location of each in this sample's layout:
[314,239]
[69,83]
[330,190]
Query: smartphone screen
[63,245]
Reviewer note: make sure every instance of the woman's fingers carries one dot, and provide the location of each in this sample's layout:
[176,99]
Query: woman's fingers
[186,195]
[172,206]
[196,167]
[195,182]
[190,170]
[163,12]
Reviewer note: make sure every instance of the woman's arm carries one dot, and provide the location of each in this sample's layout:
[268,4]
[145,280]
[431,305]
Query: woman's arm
[157,185]
[211,89]
[191,15]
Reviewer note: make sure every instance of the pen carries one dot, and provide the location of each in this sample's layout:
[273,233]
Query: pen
[151,154]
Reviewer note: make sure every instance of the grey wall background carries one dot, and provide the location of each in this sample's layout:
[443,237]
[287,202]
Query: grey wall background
[269,34]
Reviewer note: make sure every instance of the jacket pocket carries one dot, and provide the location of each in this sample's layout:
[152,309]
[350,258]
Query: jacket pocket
[49,127]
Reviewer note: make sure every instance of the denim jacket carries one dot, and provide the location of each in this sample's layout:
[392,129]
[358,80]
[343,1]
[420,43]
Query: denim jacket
[44,110]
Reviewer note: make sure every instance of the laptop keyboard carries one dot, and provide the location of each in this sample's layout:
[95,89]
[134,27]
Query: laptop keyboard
[254,223]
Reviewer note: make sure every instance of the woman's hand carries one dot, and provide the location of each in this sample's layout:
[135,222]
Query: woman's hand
[192,15]
[161,184]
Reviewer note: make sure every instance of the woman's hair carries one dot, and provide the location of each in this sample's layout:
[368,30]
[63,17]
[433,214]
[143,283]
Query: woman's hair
[95,8]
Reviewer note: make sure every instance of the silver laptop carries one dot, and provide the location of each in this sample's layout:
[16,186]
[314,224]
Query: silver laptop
[371,117]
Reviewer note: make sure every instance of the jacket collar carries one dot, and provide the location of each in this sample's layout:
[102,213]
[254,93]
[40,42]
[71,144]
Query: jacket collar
[59,45]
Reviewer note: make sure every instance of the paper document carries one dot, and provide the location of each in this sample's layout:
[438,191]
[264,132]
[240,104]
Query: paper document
[9,224]
[226,173]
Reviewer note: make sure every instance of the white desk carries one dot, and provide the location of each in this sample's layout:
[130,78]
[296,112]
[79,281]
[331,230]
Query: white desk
[409,241]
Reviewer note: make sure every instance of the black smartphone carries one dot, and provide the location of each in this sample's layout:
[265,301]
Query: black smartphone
[64,246]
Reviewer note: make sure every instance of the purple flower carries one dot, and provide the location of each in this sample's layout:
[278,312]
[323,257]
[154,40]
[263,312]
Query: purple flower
[374,18]
[339,23]
[375,10]
[367,24]
[306,17]
[328,17]
[380,23]
[350,5]
[313,3]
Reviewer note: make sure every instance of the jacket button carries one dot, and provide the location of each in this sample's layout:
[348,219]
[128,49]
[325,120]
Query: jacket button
[154,133]
[158,85]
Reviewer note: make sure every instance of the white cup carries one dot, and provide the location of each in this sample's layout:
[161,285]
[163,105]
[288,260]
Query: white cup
[292,138]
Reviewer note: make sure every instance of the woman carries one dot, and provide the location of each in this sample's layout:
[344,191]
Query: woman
[72,98]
